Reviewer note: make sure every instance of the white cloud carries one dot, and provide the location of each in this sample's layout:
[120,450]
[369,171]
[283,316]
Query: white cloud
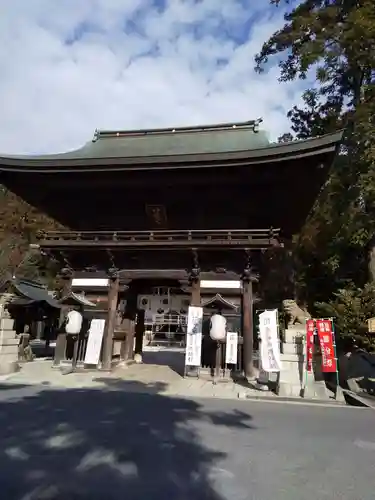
[68,67]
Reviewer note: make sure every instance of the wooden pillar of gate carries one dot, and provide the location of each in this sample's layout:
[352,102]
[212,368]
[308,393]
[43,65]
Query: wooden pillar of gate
[247,320]
[107,352]
[139,334]
[60,349]
[195,300]
[131,316]
[195,283]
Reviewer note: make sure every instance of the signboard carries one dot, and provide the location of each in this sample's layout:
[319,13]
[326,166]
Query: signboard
[310,327]
[270,344]
[194,336]
[231,348]
[325,333]
[94,342]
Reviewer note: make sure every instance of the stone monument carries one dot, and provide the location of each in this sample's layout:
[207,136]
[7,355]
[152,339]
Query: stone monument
[8,339]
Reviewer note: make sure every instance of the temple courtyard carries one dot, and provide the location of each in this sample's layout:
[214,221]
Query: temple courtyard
[164,379]
[106,442]
[161,372]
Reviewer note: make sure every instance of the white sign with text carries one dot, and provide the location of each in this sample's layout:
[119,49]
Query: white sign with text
[194,336]
[231,348]
[270,343]
[94,342]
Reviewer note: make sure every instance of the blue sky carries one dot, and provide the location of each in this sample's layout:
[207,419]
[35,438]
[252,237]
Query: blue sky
[70,66]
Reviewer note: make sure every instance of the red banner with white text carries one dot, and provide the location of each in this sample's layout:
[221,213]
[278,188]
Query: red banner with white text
[325,333]
[310,326]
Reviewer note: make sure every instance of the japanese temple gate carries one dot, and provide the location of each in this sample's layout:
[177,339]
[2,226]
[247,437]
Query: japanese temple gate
[146,207]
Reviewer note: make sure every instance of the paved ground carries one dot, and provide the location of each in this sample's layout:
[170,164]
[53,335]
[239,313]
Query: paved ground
[94,443]
[160,366]
[170,381]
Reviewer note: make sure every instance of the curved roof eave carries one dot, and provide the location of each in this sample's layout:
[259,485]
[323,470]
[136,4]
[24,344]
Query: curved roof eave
[77,162]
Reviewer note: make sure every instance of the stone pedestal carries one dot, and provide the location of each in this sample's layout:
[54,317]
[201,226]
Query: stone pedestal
[291,376]
[294,381]
[8,345]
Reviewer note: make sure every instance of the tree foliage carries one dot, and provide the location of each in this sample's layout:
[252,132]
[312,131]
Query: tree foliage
[19,225]
[330,46]
[351,308]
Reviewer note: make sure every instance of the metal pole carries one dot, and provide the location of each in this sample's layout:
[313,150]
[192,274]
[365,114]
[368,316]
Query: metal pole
[335,354]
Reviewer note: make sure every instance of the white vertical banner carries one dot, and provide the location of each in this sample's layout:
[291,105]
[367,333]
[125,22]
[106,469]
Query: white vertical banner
[270,344]
[94,342]
[231,348]
[194,336]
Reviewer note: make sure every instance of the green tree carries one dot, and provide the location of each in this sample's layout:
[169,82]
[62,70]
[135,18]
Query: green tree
[330,45]
[19,225]
[351,308]
[333,40]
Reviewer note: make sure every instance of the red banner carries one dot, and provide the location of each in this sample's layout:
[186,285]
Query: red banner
[310,325]
[325,333]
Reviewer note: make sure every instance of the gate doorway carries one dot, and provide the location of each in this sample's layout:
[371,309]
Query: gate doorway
[165,340]
[166,330]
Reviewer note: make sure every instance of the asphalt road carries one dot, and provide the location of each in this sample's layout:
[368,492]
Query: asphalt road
[106,444]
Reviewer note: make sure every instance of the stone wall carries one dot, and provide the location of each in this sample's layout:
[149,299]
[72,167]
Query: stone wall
[8,343]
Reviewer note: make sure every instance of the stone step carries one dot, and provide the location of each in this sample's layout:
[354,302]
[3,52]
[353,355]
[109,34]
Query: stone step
[6,324]
[8,364]
[294,335]
[7,335]
[9,340]
[291,357]
[9,349]
[316,390]
[291,348]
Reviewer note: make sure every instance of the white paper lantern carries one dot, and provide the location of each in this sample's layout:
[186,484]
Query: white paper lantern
[218,327]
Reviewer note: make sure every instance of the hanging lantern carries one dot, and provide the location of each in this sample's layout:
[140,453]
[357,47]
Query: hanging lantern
[218,327]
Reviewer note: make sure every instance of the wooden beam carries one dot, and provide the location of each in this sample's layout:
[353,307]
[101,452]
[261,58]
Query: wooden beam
[159,240]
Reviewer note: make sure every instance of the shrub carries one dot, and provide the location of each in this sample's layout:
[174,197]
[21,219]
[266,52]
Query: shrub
[351,308]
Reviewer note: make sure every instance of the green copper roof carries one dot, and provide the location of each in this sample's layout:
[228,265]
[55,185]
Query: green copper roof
[178,142]
[167,142]
[163,148]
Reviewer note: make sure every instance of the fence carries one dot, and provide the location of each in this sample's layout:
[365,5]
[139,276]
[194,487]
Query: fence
[166,329]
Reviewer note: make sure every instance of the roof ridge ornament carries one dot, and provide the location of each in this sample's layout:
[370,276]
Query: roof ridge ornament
[96,135]
[251,124]
[257,122]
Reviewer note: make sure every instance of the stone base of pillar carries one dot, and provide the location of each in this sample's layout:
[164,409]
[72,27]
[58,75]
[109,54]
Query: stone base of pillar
[314,389]
[291,375]
[292,359]
[8,347]
[339,396]
[60,351]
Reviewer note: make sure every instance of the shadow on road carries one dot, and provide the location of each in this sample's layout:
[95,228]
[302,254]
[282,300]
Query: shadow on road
[107,444]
